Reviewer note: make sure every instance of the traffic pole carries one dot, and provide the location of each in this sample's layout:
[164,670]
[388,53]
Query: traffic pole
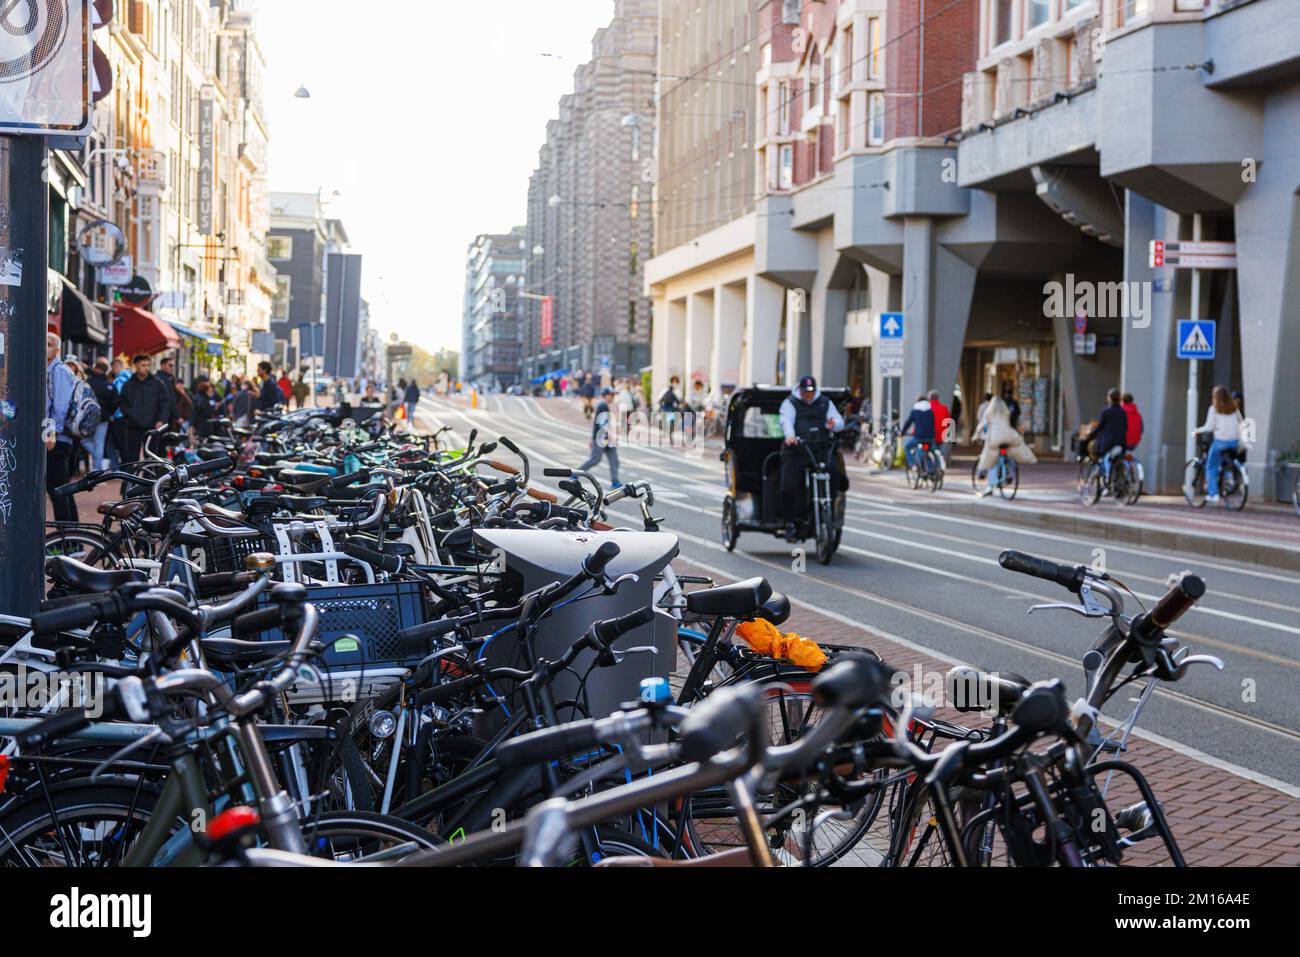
[1194,368]
[24,240]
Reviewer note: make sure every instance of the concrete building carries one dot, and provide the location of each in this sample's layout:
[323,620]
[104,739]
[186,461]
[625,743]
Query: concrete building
[494,277]
[589,210]
[297,246]
[1010,227]
[1179,122]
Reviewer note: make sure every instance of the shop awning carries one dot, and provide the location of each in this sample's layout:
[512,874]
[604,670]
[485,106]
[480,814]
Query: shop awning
[140,331]
[81,320]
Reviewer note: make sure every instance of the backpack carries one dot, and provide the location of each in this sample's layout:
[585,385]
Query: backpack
[84,413]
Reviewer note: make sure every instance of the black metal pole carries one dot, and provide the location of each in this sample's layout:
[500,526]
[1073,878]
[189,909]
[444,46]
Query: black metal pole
[24,254]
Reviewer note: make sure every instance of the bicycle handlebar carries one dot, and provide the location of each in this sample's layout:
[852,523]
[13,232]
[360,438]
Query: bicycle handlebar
[1070,577]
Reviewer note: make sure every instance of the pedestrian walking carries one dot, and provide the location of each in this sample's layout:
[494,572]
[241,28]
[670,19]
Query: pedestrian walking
[167,375]
[106,396]
[604,439]
[242,403]
[203,412]
[412,400]
[145,404]
[59,385]
[588,393]
[271,394]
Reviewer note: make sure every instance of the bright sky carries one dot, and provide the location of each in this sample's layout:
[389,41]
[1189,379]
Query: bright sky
[426,117]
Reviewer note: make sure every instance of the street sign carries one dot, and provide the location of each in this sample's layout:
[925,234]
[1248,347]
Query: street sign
[891,325]
[1085,344]
[891,367]
[1193,255]
[118,273]
[1196,338]
[45,68]
[137,292]
[1081,323]
[262,343]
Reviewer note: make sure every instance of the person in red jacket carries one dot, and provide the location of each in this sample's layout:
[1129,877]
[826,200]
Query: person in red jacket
[945,429]
[1135,424]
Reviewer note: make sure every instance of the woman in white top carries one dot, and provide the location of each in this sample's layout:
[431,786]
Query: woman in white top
[995,428]
[1223,421]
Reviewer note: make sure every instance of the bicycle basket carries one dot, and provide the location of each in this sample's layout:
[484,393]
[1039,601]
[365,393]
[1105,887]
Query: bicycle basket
[228,554]
[360,625]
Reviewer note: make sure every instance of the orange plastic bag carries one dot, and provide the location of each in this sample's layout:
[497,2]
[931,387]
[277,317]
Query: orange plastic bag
[766,639]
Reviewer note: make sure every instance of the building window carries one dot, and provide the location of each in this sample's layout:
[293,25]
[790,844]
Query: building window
[876,119]
[1001,21]
[634,207]
[631,317]
[785,167]
[280,305]
[849,63]
[873,48]
[835,67]
[279,247]
[783,108]
[813,83]
[1037,12]
[634,258]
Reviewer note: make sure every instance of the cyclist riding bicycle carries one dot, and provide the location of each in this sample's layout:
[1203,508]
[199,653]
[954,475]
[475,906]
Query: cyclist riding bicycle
[805,410]
[921,422]
[1111,432]
[1223,421]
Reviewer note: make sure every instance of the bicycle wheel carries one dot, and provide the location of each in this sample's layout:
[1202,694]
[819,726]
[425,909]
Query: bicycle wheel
[712,828]
[77,824]
[1234,488]
[354,837]
[1194,484]
[1134,483]
[1090,487]
[87,547]
[1010,483]
[976,482]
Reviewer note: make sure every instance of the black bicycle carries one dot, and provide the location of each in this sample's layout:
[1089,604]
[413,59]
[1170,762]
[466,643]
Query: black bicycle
[1234,484]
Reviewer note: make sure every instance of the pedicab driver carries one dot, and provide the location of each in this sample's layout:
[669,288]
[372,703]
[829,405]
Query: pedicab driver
[803,412]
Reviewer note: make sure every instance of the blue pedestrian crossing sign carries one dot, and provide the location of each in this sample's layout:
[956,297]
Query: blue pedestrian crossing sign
[891,325]
[1196,339]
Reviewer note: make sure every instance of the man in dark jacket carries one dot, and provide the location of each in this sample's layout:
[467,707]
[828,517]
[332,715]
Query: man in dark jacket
[412,400]
[604,439]
[167,375]
[144,404]
[1111,431]
[804,412]
[270,396]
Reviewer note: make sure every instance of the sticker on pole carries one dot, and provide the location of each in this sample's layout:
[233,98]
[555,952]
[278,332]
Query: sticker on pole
[45,68]
[1196,339]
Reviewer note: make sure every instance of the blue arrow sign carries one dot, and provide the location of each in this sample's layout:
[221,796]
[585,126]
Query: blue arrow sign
[891,325]
[1196,338]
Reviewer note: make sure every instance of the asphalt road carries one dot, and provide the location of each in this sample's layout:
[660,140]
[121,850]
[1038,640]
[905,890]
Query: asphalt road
[920,576]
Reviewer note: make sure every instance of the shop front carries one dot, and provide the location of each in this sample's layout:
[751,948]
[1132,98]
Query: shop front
[1028,373]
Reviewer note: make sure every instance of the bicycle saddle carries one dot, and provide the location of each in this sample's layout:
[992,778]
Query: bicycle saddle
[970,689]
[308,483]
[741,600]
[225,514]
[303,503]
[71,573]
[396,549]
[120,510]
[776,609]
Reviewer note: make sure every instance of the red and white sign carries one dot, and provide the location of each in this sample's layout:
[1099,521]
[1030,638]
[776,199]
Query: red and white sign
[547,331]
[1193,255]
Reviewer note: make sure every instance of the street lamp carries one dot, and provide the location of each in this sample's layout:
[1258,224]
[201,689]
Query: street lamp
[302,93]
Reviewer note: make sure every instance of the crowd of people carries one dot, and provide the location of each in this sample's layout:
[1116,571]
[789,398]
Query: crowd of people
[129,402]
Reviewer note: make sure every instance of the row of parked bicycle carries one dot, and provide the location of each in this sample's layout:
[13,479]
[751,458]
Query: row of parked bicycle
[318,642]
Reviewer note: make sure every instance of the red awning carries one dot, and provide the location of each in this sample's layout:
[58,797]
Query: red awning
[138,331]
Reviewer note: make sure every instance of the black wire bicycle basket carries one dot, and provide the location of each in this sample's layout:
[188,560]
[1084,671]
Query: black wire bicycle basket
[228,554]
[361,625]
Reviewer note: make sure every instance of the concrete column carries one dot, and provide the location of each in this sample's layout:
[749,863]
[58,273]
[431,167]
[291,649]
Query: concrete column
[1268,275]
[669,342]
[828,312]
[1149,368]
[798,336]
[699,337]
[764,302]
[938,287]
[728,334]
